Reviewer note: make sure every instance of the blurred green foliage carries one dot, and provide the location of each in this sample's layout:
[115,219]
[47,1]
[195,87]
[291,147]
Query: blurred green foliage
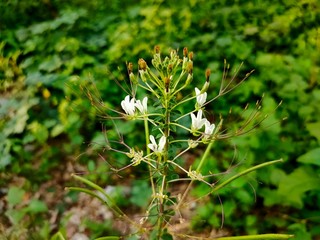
[47,45]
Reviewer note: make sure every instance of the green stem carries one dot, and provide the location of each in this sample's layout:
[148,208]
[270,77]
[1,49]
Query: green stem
[161,208]
[205,156]
[268,236]
[258,237]
[163,162]
[115,209]
[146,130]
[177,82]
[109,238]
[167,122]
[109,201]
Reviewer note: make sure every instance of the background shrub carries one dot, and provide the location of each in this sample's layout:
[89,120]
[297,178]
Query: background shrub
[48,45]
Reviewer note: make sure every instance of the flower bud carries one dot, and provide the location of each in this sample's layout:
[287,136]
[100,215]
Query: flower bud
[130,67]
[157,49]
[208,72]
[156,61]
[190,67]
[207,83]
[142,69]
[169,69]
[185,52]
[173,54]
[189,79]
[142,64]
[132,77]
[191,56]
[143,75]
[167,83]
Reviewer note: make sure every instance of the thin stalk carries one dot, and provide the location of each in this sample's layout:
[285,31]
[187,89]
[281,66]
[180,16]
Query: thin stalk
[181,126]
[167,122]
[181,102]
[115,209]
[161,208]
[154,79]
[177,81]
[113,205]
[146,130]
[109,238]
[258,237]
[218,187]
[204,157]
[181,88]
[248,237]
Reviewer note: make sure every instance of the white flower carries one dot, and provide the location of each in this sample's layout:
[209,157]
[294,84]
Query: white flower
[209,128]
[142,106]
[197,122]
[154,146]
[128,105]
[201,97]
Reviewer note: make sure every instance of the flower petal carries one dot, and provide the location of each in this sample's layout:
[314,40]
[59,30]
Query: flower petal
[128,105]
[162,143]
[209,128]
[145,104]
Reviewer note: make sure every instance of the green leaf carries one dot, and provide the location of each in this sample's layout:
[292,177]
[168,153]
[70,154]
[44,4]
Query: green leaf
[37,206]
[39,28]
[57,130]
[311,157]
[91,166]
[15,196]
[140,193]
[300,231]
[277,175]
[293,186]
[15,215]
[39,131]
[314,129]
[51,63]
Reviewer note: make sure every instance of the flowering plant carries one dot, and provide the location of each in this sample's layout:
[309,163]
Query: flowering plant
[164,85]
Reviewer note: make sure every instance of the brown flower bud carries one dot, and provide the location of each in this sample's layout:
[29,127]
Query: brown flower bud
[157,49]
[185,51]
[191,56]
[190,67]
[167,83]
[130,67]
[208,72]
[142,64]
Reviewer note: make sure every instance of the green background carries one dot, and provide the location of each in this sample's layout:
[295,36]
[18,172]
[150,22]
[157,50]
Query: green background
[49,47]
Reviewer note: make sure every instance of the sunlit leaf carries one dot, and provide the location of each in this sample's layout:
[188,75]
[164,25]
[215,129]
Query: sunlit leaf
[311,157]
[294,185]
